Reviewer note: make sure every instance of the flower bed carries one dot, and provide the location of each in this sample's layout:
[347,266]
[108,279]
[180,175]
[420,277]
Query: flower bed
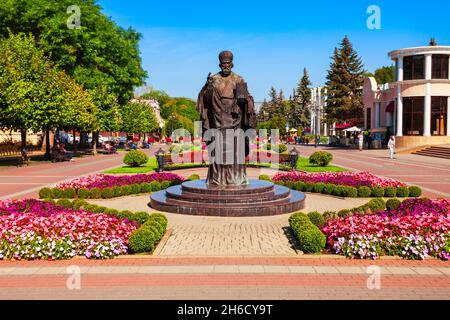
[109,186]
[346,184]
[417,229]
[32,229]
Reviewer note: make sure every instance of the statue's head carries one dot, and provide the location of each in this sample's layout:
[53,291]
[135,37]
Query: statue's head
[226,62]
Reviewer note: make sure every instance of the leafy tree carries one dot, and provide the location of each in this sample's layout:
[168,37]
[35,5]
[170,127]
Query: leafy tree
[385,74]
[344,83]
[138,118]
[161,96]
[301,100]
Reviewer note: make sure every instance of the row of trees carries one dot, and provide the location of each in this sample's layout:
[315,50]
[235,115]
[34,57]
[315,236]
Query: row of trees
[53,76]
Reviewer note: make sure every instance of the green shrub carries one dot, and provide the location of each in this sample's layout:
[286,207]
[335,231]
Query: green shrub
[350,192]
[83,193]
[264,177]
[318,187]
[280,148]
[327,215]
[155,185]
[364,192]
[299,185]
[135,158]
[141,240]
[107,193]
[69,193]
[402,192]
[316,218]
[57,193]
[117,191]
[377,192]
[146,187]
[113,212]
[289,184]
[135,188]
[393,204]
[49,200]
[339,191]
[45,193]
[63,202]
[414,191]
[140,217]
[125,214]
[308,187]
[91,208]
[95,193]
[193,176]
[311,241]
[280,182]
[161,218]
[299,221]
[343,213]
[320,158]
[125,190]
[390,192]
[155,228]
[329,188]
[165,184]
[77,204]
[376,204]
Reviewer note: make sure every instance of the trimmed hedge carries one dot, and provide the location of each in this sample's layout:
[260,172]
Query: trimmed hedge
[141,240]
[309,236]
[264,177]
[414,191]
[393,204]
[45,193]
[377,192]
[402,192]
[316,218]
[135,158]
[63,202]
[390,192]
[195,176]
[320,158]
[364,192]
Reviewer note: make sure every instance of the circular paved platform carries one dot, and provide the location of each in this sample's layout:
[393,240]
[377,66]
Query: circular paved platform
[258,198]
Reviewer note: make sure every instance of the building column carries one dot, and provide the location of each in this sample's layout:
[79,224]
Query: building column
[365,117]
[448,116]
[325,129]
[377,115]
[372,116]
[399,112]
[400,68]
[427,111]
[428,62]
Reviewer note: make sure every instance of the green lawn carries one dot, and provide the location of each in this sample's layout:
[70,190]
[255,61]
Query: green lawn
[150,166]
[304,165]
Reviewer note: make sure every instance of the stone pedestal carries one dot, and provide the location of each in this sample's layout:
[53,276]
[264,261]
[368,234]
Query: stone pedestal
[258,198]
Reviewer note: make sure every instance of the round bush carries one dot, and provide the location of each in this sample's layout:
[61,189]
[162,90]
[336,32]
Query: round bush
[393,204]
[57,193]
[193,177]
[77,204]
[316,218]
[135,158]
[45,193]
[155,186]
[402,192]
[107,193]
[280,182]
[327,215]
[376,204]
[165,184]
[311,241]
[329,188]
[146,187]
[140,217]
[339,191]
[141,240]
[343,213]
[83,193]
[135,188]
[299,185]
[350,192]
[161,218]
[318,187]
[49,200]
[320,158]
[125,214]
[377,192]
[117,191]
[364,192]
[299,220]
[64,203]
[69,193]
[95,193]
[308,187]
[414,191]
[155,228]
[264,177]
[390,192]
[113,212]
[125,190]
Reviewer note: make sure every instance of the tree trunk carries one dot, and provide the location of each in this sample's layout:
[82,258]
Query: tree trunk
[75,145]
[23,146]
[47,145]
[94,142]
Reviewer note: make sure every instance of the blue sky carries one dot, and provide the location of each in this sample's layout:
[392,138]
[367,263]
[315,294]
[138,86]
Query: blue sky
[272,41]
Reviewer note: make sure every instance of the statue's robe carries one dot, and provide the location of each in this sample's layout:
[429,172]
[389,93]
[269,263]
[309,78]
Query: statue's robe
[225,103]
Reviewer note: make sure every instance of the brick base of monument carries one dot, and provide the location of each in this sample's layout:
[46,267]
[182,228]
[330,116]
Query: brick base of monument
[258,198]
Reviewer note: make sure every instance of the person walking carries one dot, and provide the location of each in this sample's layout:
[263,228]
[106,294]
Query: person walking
[391,146]
[361,141]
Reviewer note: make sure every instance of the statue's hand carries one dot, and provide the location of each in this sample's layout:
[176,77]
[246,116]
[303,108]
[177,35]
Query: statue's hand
[209,79]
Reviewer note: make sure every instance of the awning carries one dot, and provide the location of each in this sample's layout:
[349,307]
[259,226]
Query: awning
[340,126]
[390,107]
[352,129]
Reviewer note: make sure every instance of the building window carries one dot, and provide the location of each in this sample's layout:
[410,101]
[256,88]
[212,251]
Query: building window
[438,116]
[440,66]
[368,118]
[413,108]
[414,67]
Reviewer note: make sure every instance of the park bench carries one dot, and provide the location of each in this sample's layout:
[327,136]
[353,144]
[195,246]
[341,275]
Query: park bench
[288,159]
[13,152]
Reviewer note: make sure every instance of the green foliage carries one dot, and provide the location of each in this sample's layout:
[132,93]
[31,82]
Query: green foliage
[390,192]
[64,203]
[162,219]
[377,192]
[161,96]
[280,148]
[343,213]
[139,217]
[193,176]
[45,193]
[339,191]
[165,184]
[83,193]
[316,218]
[155,185]
[135,188]
[364,192]
[299,185]
[138,117]
[327,215]
[49,200]
[350,192]
[57,193]
[308,187]
[329,188]
[385,74]
[310,238]
[402,192]
[264,177]
[77,204]
[125,190]
[141,240]
[135,158]
[146,187]
[392,204]
[107,193]
[95,193]
[376,204]
[415,191]
[117,191]
[69,193]
[321,158]
[318,187]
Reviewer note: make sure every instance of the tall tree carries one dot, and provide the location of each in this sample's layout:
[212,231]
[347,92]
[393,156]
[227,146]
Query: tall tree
[385,74]
[344,84]
[302,100]
[138,118]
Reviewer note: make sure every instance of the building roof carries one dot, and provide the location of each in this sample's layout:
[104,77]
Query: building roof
[419,50]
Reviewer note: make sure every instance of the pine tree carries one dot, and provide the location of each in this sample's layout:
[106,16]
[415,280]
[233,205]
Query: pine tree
[344,84]
[302,100]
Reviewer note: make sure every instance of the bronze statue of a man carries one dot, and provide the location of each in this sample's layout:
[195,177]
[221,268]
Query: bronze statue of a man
[225,106]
